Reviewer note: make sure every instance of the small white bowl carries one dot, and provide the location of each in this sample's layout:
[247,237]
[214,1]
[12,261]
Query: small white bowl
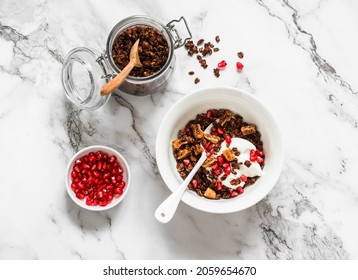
[253,111]
[110,152]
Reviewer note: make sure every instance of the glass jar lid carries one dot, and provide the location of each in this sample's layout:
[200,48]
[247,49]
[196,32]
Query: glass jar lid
[83,75]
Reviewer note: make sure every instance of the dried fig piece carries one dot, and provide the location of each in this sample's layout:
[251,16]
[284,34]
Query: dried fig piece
[198,149]
[209,161]
[212,138]
[229,155]
[183,153]
[182,141]
[249,129]
[209,193]
[225,117]
[198,133]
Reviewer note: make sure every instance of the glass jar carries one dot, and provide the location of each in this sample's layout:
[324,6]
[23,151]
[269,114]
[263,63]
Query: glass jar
[85,70]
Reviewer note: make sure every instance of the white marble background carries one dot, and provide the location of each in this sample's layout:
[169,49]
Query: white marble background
[300,59]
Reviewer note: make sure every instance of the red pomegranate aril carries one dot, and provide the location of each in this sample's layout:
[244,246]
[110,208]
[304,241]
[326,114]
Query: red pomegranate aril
[212,146]
[94,167]
[78,162]
[239,66]
[98,156]
[103,203]
[113,179]
[208,154]
[219,185]
[118,190]
[100,194]
[259,153]
[226,165]
[92,158]
[86,166]
[220,159]
[77,180]
[104,166]
[220,130]
[96,174]
[81,185]
[109,188]
[109,198]
[119,178]
[227,171]
[89,201]
[217,171]
[112,159]
[252,153]
[99,165]
[77,168]
[253,158]
[228,139]
[215,166]
[95,202]
[120,170]
[194,182]
[234,193]
[80,195]
[107,181]
[207,145]
[259,159]
[122,184]
[243,178]
[74,175]
[104,156]
[208,114]
[186,161]
[240,190]
[222,64]
[85,159]
[114,172]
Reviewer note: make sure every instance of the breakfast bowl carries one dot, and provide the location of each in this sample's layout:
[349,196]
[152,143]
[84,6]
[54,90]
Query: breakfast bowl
[97,178]
[252,111]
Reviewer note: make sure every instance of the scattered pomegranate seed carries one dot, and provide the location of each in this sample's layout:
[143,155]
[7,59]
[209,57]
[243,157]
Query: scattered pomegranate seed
[217,171]
[94,176]
[208,114]
[228,139]
[194,182]
[207,145]
[220,130]
[240,190]
[243,178]
[215,166]
[252,153]
[226,165]
[259,153]
[239,66]
[222,64]
[227,171]
[219,185]
[253,158]
[220,159]
[208,154]
[186,161]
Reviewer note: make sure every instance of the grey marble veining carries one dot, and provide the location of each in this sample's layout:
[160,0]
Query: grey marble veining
[299,60]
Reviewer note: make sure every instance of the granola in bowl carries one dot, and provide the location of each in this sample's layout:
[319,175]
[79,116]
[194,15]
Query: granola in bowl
[234,149]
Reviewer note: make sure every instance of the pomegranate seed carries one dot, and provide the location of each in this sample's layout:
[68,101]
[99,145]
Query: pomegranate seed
[94,167]
[96,174]
[100,194]
[186,161]
[212,146]
[78,162]
[104,166]
[77,169]
[222,64]
[208,114]
[99,165]
[194,182]
[95,201]
[215,166]
[120,170]
[219,185]
[92,158]
[80,195]
[227,171]
[239,66]
[122,184]
[119,178]
[240,190]
[259,159]
[85,159]
[208,154]
[220,159]
[207,145]
[234,193]
[252,153]
[228,139]
[220,130]
[99,156]
[106,175]
[243,178]
[112,159]
[259,153]
[74,175]
[118,191]
[226,165]
[103,203]
[89,201]
[86,166]
[253,158]
[217,171]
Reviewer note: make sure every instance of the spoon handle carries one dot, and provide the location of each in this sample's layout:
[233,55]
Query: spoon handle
[118,80]
[166,210]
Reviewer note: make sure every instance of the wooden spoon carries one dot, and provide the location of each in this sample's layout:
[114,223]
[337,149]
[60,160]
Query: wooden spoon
[134,61]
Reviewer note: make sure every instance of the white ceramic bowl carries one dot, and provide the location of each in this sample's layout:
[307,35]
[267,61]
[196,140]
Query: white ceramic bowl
[110,152]
[253,111]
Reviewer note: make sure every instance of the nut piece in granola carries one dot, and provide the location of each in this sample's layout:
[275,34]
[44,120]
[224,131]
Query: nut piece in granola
[225,117]
[209,161]
[249,129]
[183,153]
[212,138]
[229,155]
[209,193]
[198,149]
[198,133]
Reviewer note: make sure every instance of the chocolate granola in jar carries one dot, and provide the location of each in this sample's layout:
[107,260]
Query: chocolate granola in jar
[85,70]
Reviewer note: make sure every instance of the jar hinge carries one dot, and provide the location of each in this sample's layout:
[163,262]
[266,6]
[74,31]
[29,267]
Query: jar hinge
[178,41]
[103,62]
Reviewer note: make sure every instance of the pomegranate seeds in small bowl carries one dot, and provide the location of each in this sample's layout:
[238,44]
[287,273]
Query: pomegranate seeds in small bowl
[97,178]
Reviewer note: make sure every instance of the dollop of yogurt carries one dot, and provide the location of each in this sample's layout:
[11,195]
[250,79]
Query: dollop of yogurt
[244,147]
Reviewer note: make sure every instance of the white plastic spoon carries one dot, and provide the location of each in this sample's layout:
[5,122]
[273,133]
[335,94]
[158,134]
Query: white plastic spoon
[166,210]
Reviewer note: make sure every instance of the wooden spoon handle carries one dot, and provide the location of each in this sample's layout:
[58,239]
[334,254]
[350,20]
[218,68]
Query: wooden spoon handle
[118,80]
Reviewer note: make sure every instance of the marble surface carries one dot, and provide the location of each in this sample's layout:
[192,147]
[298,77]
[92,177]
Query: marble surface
[300,60]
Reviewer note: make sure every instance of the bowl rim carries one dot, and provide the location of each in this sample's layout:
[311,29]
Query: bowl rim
[168,179]
[68,179]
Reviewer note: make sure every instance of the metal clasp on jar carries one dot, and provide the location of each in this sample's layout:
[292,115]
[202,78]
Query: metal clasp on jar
[102,60]
[173,31]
